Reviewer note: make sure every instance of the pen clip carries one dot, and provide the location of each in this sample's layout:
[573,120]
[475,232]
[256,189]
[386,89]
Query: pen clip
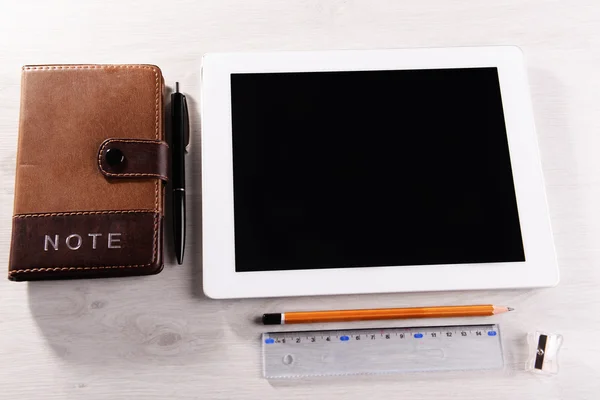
[186,126]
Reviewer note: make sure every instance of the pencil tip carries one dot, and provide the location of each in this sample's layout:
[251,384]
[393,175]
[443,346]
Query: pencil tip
[510,308]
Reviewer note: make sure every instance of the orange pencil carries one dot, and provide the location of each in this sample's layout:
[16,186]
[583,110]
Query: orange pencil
[308,317]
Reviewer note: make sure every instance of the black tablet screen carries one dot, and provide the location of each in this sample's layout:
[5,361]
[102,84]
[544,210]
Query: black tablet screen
[371,168]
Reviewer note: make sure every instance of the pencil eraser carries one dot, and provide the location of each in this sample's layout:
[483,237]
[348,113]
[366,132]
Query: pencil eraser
[271,319]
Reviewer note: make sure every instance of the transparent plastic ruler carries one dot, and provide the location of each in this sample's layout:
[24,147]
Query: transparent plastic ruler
[371,351]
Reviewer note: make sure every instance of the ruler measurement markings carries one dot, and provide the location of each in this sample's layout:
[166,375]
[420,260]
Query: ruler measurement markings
[367,332]
[386,334]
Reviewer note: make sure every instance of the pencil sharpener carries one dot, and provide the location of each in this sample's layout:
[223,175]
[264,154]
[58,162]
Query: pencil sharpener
[543,352]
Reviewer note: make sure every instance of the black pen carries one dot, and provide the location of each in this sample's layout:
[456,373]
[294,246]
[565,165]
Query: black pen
[180,135]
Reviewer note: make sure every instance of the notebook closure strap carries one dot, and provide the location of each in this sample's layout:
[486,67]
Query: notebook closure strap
[134,159]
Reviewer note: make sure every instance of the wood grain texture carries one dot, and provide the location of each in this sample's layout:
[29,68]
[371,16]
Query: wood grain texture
[158,337]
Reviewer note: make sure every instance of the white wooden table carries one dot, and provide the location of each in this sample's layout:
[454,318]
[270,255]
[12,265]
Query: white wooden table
[159,338]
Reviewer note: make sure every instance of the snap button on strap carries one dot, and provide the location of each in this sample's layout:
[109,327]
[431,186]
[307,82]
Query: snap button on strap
[114,157]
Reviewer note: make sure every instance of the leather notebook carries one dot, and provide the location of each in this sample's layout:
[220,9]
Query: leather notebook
[91,168]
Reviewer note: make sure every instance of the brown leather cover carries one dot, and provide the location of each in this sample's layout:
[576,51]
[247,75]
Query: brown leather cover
[72,220]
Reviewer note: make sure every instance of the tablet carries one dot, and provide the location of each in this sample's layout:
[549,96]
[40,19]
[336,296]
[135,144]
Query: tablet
[371,171]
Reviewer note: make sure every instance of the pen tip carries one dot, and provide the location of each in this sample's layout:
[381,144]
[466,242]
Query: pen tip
[176,87]
[510,308]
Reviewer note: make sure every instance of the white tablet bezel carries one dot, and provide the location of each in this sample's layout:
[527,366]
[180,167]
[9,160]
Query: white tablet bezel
[220,280]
